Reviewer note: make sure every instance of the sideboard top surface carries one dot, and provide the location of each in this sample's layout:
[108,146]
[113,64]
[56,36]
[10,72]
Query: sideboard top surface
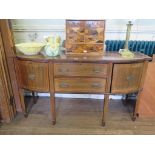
[113,57]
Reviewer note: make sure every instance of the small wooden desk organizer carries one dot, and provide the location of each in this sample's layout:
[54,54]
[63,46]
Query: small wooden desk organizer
[85,37]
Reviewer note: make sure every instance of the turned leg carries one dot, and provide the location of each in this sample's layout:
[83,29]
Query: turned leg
[52,98]
[24,109]
[105,109]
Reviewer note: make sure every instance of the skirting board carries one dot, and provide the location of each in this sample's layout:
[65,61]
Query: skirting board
[92,96]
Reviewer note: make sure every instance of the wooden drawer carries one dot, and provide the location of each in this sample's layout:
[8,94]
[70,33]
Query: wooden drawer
[80,69]
[33,75]
[126,77]
[80,85]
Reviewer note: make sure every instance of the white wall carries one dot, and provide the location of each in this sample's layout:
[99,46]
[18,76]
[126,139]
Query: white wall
[27,29]
[142,29]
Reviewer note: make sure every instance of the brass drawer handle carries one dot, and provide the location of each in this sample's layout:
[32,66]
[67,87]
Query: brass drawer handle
[129,78]
[63,70]
[31,76]
[64,85]
[96,85]
[97,70]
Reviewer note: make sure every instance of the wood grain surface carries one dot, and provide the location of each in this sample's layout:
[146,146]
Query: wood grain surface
[8,43]
[126,77]
[7,104]
[80,69]
[147,99]
[78,117]
[80,85]
[33,75]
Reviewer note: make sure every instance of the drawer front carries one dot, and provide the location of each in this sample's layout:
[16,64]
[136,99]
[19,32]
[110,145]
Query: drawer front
[126,77]
[33,75]
[80,85]
[80,69]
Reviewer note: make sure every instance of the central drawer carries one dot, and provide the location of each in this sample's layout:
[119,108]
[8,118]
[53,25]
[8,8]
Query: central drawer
[80,69]
[80,85]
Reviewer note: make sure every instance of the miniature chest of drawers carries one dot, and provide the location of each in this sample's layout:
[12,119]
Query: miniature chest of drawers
[108,74]
[85,37]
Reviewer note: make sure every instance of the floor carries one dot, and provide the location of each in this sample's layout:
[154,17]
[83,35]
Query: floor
[78,116]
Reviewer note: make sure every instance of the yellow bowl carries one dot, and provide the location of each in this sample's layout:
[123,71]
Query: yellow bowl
[30,48]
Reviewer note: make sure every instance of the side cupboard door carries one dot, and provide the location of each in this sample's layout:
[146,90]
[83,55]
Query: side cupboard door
[126,77]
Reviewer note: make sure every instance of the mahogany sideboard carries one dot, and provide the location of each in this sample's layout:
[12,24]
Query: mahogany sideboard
[107,74]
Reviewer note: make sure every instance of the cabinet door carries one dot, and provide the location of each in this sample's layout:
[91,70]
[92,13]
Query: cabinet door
[126,77]
[33,75]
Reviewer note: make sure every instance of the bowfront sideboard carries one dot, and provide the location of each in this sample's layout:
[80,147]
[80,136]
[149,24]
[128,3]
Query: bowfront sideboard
[107,74]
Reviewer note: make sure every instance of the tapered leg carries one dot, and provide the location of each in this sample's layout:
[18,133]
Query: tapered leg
[135,111]
[24,109]
[52,98]
[105,109]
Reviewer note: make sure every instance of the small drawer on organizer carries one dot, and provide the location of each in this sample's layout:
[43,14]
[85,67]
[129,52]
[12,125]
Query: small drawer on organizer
[80,69]
[80,85]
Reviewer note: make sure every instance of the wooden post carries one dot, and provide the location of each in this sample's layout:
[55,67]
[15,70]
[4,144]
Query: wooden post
[7,104]
[10,54]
